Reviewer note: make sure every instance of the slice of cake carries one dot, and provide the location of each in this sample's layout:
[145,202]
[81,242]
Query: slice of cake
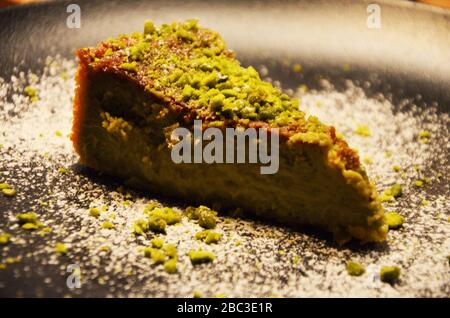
[135,90]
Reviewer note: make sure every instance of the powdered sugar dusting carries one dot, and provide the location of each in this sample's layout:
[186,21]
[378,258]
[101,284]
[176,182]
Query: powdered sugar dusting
[253,258]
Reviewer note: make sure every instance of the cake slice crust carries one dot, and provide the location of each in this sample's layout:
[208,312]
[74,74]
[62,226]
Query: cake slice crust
[133,91]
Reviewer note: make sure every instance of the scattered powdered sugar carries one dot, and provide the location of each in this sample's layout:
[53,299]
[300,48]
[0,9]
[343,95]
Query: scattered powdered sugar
[253,258]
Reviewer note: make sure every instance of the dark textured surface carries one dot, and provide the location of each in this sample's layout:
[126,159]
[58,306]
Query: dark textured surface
[406,58]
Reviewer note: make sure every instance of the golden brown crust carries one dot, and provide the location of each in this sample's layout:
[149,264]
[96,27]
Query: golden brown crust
[111,65]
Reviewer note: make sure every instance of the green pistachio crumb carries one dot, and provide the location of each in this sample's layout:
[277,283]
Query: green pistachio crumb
[201,256]
[4,186]
[367,160]
[170,250]
[208,236]
[157,242]
[394,220]
[157,256]
[45,231]
[418,183]
[297,68]
[30,226]
[389,274]
[197,294]
[107,225]
[61,248]
[170,266]
[4,238]
[156,224]
[355,269]
[396,168]
[9,192]
[29,217]
[295,260]
[62,170]
[94,212]
[170,216]
[363,130]
[424,202]
[205,216]
[58,133]
[149,27]
[32,93]
[424,136]
[394,191]
[140,227]
[131,67]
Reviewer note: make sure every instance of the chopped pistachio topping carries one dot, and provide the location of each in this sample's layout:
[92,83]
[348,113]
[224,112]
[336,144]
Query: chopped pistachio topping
[193,65]
[394,220]
[394,191]
[170,250]
[107,225]
[140,227]
[208,236]
[4,186]
[197,294]
[367,160]
[363,130]
[32,93]
[295,260]
[157,243]
[418,183]
[132,67]
[62,170]
[424,202]
[61,248]
[205,216]
[29,217]
[201,256]
[156,224]
[58,133]
[164,254]
[355,269]
[297,68]
[389,274]
[169,215]
[30,226]
[4,238]
[170,266]
[396,168]
[9,192]
[424,136]
[94,212]
[157,256]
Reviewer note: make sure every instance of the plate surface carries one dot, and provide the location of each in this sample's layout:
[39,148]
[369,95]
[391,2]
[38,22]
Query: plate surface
[399,72]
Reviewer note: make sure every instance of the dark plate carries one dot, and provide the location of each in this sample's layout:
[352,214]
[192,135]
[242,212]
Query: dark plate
[408,57]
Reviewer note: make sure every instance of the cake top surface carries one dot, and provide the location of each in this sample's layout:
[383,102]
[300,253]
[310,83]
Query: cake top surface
[190,66]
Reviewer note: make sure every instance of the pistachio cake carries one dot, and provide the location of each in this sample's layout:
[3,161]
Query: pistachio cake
[134,90]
